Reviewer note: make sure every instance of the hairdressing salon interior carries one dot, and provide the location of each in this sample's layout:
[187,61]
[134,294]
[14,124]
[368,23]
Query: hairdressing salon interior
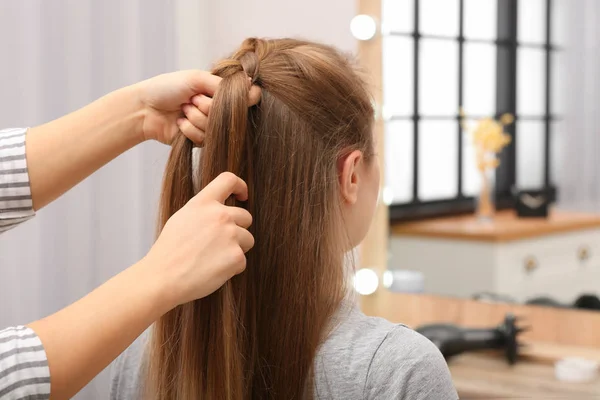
[486,238]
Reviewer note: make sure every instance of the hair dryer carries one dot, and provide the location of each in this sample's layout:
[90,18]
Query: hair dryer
[453,340]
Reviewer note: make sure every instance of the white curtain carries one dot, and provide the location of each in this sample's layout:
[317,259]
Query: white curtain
[56,56]
[578,151]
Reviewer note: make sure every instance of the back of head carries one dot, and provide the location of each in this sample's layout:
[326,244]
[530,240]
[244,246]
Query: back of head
[258,335]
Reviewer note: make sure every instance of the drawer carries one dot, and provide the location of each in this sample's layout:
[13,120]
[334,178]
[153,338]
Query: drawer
[565,288]
[546,264]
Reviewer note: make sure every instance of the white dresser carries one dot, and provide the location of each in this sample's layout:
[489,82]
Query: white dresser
[557,257]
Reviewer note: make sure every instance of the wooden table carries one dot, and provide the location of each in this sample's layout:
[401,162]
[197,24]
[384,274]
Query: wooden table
[478,376]
[505,227]
[520,258]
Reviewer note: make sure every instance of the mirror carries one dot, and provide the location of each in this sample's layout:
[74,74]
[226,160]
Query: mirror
[446,67]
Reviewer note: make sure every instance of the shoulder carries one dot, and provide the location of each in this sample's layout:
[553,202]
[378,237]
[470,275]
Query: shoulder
[343,360]
[373,358]
[406,365]
[125,371]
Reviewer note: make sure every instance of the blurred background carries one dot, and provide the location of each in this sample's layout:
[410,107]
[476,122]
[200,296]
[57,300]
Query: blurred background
[535,59]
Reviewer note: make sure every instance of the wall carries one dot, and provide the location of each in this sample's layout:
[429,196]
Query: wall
[56,57]
[231,21]
[579,149]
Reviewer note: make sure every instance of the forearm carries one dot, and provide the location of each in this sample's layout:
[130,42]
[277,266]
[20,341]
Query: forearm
[82,339]
[62,153]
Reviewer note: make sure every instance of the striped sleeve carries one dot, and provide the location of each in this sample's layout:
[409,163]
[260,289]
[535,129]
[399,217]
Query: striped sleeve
[16,205]
[24,372]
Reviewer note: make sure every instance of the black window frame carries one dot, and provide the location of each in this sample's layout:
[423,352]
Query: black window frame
[507,45]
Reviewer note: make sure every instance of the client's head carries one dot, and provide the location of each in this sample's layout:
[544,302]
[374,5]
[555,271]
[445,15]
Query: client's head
[306,151]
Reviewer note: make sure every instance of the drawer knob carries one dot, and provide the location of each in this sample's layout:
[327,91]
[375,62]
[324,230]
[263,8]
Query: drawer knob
[584,253]
[531,264]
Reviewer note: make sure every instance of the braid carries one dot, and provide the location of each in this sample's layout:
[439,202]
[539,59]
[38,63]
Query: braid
[257,337]
[247,59]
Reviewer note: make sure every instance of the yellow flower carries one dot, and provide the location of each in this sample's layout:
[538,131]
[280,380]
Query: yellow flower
[489,139]
[489,136]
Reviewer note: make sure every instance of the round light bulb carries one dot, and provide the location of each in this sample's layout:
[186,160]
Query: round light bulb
[388,279]
[386,114]
[366,281]
[363,27]
[387,196]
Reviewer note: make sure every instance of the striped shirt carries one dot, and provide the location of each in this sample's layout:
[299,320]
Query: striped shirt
[15,193]
[24,372]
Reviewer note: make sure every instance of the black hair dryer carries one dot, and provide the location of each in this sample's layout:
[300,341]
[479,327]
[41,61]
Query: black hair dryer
[453,340]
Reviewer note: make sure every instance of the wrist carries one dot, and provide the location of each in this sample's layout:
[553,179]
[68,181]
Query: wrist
[156,286]
[135,112]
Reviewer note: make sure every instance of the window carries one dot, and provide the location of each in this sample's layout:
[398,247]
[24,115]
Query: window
[487,57]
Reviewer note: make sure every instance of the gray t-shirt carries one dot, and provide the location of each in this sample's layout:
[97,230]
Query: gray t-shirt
[363,358]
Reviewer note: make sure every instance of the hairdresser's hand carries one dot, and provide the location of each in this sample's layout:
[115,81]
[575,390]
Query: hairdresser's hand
[179,102]
[203,244]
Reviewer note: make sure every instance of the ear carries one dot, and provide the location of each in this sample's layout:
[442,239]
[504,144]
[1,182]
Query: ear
[348,172]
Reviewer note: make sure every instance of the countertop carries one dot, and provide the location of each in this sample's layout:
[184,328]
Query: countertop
[505,226]
[483,376]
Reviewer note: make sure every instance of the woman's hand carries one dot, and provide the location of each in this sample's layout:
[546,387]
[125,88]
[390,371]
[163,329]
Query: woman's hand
[199,249]
[179,102]
[63,152]
[165,99]
[203,244]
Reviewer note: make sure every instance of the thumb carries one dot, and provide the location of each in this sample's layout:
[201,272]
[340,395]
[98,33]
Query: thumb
[202,82]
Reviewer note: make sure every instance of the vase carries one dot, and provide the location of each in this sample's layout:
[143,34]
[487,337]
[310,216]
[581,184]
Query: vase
[486,204]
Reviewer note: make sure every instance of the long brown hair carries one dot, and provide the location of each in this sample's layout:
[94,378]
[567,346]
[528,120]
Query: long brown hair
[258,335]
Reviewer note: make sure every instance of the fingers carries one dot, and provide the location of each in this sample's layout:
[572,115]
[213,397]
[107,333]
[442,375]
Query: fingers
[203,103]
[190,131]
[223,186]
[196,116]
[255,94]
[245,239]
[194,125]
[240,216]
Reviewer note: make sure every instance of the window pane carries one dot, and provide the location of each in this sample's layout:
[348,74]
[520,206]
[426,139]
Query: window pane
[397,15]
[558,24]
[439,17]
[438,77]
[481,19]
[557,149]
[559,79]
[531,26]
[438,160]
[398,76]
[531,81]
[399,158]
[530,154]
[471,177]
[479,79]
